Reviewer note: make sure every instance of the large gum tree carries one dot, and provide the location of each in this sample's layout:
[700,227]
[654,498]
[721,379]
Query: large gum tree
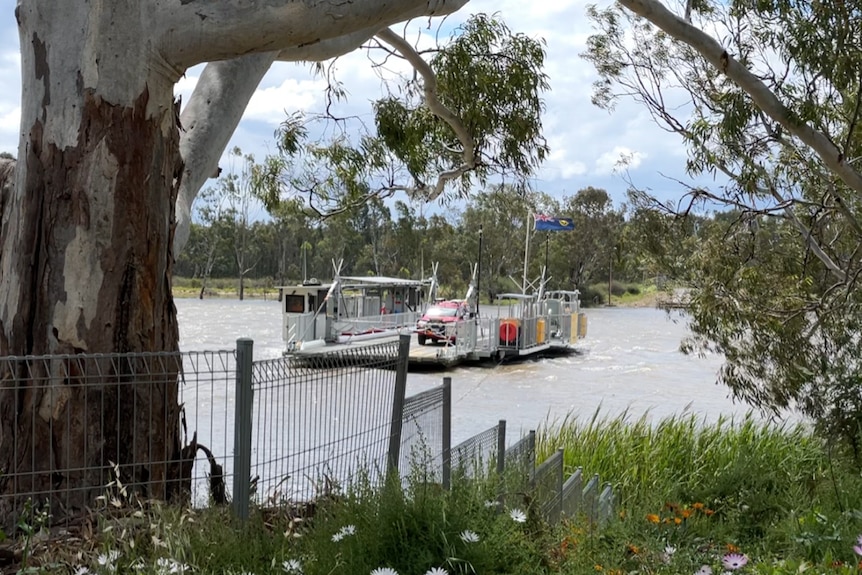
[107,171]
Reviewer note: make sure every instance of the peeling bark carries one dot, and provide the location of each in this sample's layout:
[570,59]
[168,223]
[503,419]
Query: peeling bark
[96,227]
[87,230]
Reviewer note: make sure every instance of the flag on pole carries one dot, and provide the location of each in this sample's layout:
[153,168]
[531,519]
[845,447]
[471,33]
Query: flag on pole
[552,223]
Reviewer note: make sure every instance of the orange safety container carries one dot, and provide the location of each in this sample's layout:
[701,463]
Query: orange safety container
[540,330]
[509,332]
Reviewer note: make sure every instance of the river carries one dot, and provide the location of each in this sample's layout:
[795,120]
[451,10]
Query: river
[630,361]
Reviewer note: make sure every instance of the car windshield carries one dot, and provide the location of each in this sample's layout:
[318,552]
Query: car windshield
[439,311]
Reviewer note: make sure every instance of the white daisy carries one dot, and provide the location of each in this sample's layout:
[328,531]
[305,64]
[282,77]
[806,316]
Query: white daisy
[344,532]
[437,571]
[668,554]
[468,536]
[517,516]
[292,566]
[108,560]
[81,570]
[704,570]
[384,571]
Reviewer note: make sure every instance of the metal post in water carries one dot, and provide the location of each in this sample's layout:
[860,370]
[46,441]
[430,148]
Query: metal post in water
[242,428]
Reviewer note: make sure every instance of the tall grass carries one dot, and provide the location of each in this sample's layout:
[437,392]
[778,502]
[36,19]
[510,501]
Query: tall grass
[764,484]
[688,492]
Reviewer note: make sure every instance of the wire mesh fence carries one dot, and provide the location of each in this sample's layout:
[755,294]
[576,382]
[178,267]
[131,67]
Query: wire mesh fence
[73,424]
[315,428]
[268,432]
[422,434]
[477,456]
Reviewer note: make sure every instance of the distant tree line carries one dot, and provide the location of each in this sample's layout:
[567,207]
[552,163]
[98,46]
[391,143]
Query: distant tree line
[398,239]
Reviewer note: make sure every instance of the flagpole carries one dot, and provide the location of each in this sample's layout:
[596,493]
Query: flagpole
[479,273]
[547,247]
[526,254]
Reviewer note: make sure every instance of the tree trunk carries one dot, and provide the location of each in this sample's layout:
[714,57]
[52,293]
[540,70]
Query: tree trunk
[85,265]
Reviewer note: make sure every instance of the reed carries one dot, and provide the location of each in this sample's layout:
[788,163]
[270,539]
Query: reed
[774,486]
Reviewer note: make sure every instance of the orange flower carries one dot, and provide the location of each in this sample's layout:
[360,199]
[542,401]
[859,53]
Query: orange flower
[677,520]
[632,549]
[698,506]
[709,512]
[652,518]
[597,567]
[686,513]
[731,548]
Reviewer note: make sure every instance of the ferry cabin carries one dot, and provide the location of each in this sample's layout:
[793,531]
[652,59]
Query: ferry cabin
[350,308]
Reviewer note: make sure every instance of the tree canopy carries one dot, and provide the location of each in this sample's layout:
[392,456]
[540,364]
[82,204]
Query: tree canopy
[772,103]
[472,111]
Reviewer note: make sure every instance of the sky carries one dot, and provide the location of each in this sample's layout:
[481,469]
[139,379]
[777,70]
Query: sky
[586,142]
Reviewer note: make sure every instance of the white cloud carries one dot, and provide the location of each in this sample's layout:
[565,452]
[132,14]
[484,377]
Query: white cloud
[10,120]
[273,103]
[620,158]
[585,141]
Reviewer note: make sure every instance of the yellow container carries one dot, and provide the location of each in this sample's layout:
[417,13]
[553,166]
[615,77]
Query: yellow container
[582,325]
[540,330]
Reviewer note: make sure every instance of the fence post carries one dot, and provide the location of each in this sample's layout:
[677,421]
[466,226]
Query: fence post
[398,405]
[531,469]
[501,462]
[242,428]
[558,510]
[447,432]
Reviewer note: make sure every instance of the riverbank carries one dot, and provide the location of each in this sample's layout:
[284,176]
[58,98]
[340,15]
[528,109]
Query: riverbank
[633,296]
[694,498]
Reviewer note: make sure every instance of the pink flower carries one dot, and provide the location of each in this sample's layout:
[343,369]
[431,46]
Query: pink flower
[858,547]
[734,561]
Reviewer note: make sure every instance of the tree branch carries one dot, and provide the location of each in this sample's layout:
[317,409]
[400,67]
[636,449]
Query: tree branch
[195,31]
[763,97]
[209,120]
[218,102]
[468,153]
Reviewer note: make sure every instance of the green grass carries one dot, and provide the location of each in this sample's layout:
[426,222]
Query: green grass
[623,294]
[771,490]
[687,493]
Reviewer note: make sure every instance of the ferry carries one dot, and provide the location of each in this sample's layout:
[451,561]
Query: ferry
[320,318]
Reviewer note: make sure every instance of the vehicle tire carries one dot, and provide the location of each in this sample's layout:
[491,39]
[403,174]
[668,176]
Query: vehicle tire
[420,339]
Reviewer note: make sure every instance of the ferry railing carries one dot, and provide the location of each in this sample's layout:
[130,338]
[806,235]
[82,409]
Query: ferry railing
[465,338]
[487,335]
[382,322]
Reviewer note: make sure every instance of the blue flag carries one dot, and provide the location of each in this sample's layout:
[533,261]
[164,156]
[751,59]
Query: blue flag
[553,224]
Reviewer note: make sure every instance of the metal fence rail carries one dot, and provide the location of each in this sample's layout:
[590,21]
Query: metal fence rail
[207,394]
[547,486]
